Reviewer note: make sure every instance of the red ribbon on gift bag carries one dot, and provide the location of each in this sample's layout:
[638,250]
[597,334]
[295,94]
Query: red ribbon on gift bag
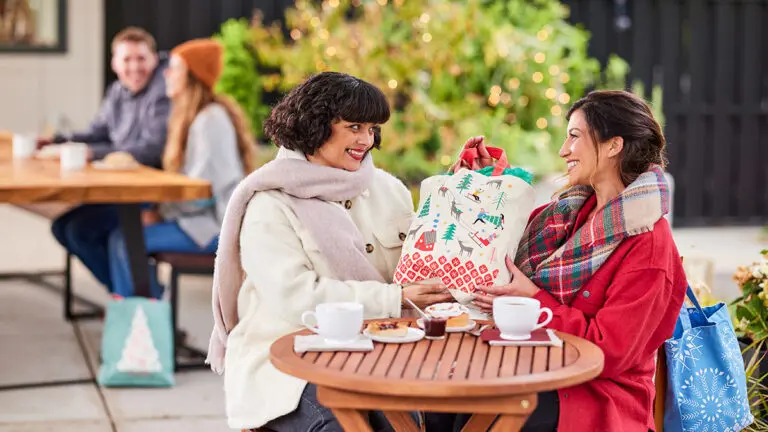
[469,155]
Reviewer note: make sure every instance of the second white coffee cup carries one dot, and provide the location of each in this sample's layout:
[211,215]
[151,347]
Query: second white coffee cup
[517,317]
[73,156]
[337,322]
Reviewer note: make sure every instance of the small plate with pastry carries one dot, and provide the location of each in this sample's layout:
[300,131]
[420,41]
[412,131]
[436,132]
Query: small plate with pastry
[392,332]
[117,161]
[456,314]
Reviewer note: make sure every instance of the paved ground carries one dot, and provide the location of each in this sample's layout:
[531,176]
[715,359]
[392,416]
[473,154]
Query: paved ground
[37,344]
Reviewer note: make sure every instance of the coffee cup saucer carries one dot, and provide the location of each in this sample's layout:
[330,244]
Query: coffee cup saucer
[507,336]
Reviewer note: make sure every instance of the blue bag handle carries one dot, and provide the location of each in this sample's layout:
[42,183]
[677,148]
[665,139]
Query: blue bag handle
[684,320]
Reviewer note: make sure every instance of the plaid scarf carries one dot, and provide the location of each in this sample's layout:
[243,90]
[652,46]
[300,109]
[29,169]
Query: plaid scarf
[563,264]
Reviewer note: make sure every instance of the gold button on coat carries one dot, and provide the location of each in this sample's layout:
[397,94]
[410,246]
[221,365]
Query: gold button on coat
[347,204]
[369,248]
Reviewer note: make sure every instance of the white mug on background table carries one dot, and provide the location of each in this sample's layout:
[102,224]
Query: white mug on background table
[24,146]
[73,156]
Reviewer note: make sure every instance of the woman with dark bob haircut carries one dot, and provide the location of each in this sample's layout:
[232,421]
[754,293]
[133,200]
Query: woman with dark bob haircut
[317,224]
[602,257]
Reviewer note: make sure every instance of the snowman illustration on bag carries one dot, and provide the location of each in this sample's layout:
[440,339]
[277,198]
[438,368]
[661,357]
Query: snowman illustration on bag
[466,224]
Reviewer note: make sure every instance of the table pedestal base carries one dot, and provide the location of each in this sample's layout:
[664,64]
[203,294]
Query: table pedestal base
[349,409]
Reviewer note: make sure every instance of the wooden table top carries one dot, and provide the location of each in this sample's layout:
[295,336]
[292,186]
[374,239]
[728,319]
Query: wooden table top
[35,180]
[459,365]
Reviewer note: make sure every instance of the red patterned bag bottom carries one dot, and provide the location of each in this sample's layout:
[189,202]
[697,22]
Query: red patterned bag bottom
[454,273]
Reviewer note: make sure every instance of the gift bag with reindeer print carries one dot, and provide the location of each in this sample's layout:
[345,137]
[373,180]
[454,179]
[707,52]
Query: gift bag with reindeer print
[465,225]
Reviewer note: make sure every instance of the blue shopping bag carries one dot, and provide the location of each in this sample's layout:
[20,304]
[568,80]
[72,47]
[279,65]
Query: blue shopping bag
[706,381]
[137,344]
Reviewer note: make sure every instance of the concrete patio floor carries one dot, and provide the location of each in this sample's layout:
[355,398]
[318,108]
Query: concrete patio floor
[37,344]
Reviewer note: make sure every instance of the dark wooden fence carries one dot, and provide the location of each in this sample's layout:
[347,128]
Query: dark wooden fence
[172,22]
[709,56]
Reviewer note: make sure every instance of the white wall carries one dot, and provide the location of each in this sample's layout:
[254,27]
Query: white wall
[35,88]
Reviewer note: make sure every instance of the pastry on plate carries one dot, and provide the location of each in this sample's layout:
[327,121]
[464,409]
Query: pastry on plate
[388,328]
[456,314]
[119,160]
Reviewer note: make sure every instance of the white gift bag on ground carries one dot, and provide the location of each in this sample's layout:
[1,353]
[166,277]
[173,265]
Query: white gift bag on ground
[466,224]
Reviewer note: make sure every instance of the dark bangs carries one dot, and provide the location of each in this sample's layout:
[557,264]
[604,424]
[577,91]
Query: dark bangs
[364,103]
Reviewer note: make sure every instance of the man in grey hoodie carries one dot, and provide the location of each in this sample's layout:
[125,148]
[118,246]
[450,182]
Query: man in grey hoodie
[134,112]
[132,118]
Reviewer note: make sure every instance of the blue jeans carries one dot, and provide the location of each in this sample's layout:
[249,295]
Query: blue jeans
[84,232]
[93,234]
[161,237]
[311,416]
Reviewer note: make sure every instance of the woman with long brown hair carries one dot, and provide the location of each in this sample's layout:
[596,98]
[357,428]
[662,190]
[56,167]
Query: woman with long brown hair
[208,138]
[602,257]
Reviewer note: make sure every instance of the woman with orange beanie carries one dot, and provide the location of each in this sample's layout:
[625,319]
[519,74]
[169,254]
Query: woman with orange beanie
[208,138]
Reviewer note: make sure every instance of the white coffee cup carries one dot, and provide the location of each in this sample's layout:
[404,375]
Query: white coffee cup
[336,322]
[73,156]
[517,317]
[24,146]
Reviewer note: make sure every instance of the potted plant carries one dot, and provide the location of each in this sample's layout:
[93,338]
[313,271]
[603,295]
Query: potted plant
[751,323]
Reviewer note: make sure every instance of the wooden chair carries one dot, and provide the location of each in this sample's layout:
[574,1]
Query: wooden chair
[661,389]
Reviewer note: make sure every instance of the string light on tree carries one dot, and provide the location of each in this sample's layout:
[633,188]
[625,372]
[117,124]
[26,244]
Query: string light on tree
[314,21]
[506,98]
[554,70]
[513,83]
[541,123]
[537,77]
[323,34]
[392,84]
[496,90]
[564,98]
[427,37]
[540,57]
[550,93]
[424,18]
[333,3]
[564,78]
[295,34]
[556,110]
[542,35]
[330,51]
[445,160]
[522,101]
[383,2]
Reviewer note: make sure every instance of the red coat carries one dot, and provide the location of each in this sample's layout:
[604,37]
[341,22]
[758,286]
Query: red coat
[628,308]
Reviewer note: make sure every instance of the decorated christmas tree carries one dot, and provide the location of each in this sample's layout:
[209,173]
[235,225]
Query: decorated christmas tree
[465,183]
[449,234]
[452,69]
[139,353]
[500,199]
[425,208]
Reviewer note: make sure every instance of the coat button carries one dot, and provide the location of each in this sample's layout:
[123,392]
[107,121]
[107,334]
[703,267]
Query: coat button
[586,294]
[347,204]
[402,236]
[369,248]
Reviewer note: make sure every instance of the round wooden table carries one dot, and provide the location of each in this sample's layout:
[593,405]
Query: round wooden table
[459,374]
